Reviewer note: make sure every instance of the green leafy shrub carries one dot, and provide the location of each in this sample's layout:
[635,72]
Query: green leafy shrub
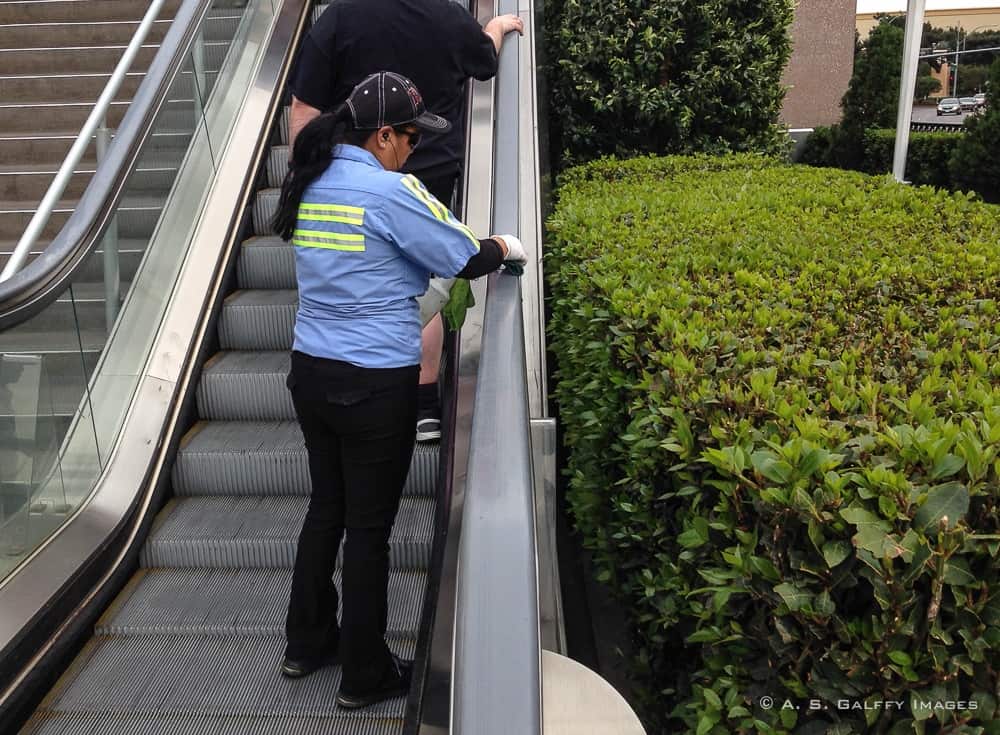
[781,399]
[927,161]
[690,75]
[976,163]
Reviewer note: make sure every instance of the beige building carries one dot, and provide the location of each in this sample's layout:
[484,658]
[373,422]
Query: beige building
[822,60]
[969,19]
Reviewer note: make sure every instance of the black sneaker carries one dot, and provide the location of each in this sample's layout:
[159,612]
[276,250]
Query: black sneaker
[296,668]
[428,429]
[398,685]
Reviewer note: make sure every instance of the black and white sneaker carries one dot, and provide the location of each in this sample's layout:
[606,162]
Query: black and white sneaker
[428,429]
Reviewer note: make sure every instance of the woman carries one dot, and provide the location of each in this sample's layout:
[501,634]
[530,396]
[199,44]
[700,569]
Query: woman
[366,240]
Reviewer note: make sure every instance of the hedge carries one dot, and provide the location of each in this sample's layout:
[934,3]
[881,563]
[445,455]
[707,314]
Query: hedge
[781,399]
[927,161]
[630,77]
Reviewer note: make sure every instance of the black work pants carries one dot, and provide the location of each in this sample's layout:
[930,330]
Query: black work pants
[358,429]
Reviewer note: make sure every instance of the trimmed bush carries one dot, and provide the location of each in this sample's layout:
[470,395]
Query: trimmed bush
[689,75]
[928,158]
[976,163]
[781,399]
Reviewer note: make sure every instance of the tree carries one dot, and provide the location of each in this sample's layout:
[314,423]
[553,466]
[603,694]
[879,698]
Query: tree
[926,84]
[873,92]
[975,164]
[630,77]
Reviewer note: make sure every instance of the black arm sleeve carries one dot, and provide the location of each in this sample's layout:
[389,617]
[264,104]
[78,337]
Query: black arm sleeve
[487,260]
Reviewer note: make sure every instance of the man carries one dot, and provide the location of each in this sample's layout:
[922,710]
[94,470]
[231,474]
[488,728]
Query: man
[438,45]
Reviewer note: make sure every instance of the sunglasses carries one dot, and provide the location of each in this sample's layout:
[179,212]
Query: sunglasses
[412,136]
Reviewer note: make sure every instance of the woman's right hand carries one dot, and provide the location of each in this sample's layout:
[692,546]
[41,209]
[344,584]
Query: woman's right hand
[514,251]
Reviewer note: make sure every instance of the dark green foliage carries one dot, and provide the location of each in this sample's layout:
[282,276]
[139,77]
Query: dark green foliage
[976,163]
[926,84]
[873,93]
[928,159]
[781,399]
[972,79]
[629,76]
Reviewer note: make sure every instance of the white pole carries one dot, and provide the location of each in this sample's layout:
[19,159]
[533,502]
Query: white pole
[907,82]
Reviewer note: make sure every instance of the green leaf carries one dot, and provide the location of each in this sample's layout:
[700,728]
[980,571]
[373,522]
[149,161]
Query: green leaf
[712,698]
[958,573]
[834,552]
[947,466]
[950,501]
[795,597]
[900,657]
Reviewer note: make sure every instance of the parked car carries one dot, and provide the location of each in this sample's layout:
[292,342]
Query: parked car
[968,104]
[949,106]
[980,99]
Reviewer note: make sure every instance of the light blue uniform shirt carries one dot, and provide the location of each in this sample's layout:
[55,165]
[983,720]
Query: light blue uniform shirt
[366,242]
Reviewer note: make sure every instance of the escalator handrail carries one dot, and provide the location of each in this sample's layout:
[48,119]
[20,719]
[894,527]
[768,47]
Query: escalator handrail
[31,289]
[497,664]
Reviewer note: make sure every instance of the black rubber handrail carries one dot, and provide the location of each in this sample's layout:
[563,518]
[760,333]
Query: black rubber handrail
[42,281]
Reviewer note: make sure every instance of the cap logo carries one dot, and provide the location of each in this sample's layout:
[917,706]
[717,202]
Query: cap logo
[415,97]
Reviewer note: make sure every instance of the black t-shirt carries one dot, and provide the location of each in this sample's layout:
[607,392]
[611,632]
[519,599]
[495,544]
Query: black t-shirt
[436,43]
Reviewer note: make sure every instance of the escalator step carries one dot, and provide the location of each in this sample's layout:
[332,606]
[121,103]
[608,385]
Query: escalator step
[258,320]
[114,723]
[195,675]
[245,386]
[266,262]
[250,457]
[265,204]
[235,602]
[247,532]
[277,165]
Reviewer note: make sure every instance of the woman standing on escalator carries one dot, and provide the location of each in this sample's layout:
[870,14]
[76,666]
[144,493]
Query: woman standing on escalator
[366,240]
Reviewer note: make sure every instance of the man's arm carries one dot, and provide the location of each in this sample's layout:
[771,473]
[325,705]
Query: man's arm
[301,115]
[500,26]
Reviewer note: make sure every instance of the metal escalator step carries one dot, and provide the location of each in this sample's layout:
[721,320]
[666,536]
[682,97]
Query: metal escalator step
[265,204]
[277,165]
[236,602]
[283,123]
[201,675]
[266,457]
[103,723]
[245,386]
[258,319]
[266,261]
[258,531]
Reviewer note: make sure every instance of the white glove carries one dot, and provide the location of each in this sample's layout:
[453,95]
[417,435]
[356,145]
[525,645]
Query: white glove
[515,250]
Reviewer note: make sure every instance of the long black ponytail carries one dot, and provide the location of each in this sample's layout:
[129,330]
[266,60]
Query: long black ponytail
[311,155]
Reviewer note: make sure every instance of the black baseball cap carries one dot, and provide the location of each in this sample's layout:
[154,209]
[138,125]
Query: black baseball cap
[387,98]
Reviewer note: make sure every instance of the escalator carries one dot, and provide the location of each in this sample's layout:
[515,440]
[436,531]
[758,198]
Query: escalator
[191,642]
[210,595]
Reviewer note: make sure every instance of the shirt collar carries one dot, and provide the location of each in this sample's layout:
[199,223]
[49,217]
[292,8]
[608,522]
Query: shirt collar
[355,153]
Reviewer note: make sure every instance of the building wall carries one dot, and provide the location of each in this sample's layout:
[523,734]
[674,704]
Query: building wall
[820,66]
[967,19]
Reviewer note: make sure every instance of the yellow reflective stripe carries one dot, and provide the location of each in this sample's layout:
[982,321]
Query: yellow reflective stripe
[332,213]
[411,183]
[440,211]
[329,240]
[309,217]
[342,208]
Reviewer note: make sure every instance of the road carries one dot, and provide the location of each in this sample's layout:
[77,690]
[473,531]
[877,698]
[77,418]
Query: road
[929,114]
